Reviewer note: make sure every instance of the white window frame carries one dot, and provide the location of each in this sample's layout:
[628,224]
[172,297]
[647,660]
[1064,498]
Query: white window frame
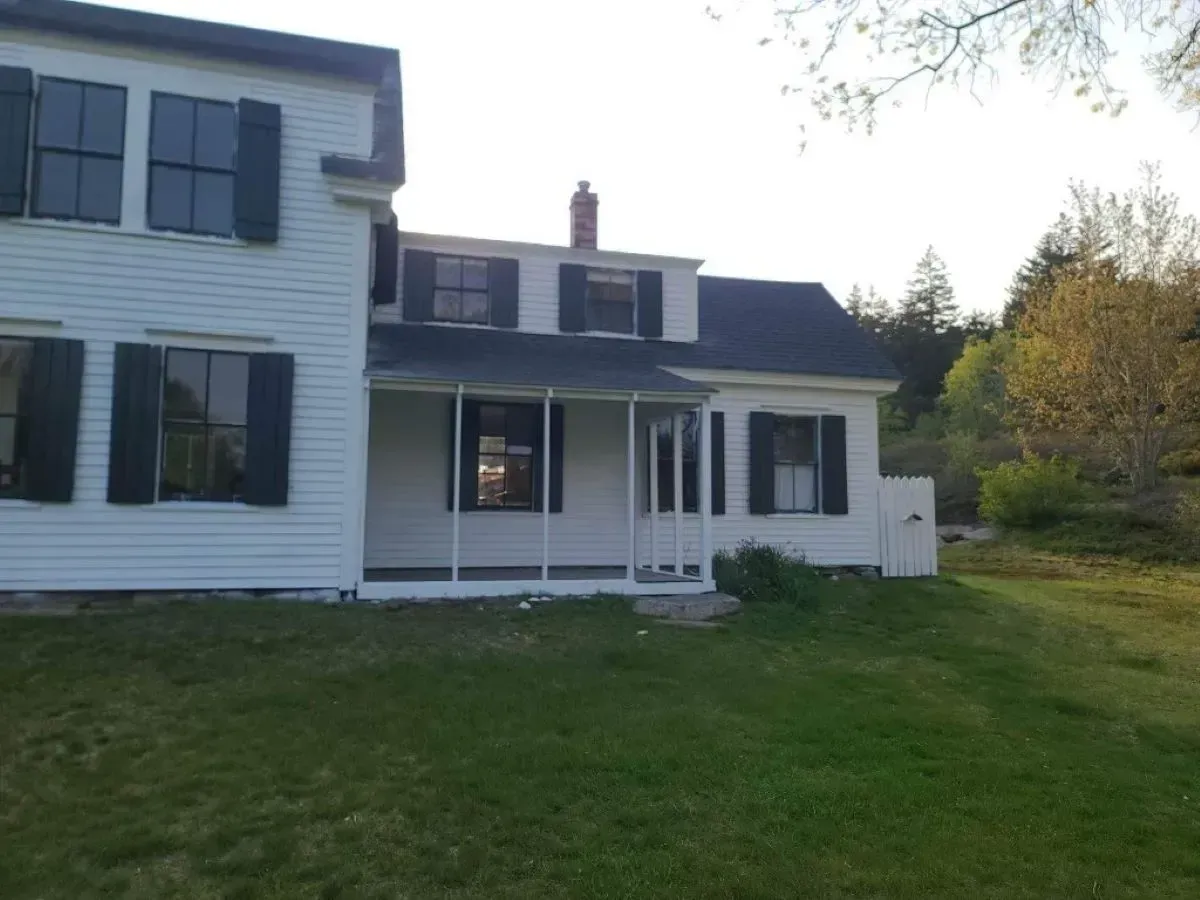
[601,270]
[818,498]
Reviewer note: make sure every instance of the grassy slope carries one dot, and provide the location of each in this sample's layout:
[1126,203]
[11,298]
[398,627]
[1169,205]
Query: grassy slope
[1030,728]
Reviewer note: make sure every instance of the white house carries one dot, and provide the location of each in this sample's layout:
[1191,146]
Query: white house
[222,367]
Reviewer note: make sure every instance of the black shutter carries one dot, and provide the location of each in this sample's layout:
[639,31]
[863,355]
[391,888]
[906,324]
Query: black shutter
[649,304]
[256,184]
[418,285]
[133,434]
[16,103]
[834,499]
[468,493]
[55,381]
[268,429]
[557,432]
[762,463]
[387,263]
[718,463]
[504,292]
[572,297]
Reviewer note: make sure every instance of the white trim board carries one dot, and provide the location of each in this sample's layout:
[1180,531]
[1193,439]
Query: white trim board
[447,590]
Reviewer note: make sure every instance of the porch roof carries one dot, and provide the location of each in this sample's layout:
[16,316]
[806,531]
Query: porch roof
[486,356]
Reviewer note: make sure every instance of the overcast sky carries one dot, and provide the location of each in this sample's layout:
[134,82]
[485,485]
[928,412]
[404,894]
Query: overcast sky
[679,124]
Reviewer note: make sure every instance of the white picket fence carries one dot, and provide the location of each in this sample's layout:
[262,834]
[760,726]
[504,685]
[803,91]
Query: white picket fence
[907,535]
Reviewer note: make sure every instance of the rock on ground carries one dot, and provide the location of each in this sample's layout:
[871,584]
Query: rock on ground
[689,607]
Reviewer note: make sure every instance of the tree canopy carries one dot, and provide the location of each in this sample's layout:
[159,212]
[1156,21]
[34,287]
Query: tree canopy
[862,55]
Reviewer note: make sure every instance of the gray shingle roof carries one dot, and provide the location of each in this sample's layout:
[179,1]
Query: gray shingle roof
[756,326]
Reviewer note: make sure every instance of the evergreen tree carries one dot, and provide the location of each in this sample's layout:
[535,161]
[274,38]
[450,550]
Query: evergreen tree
[928,305]
[1036,277]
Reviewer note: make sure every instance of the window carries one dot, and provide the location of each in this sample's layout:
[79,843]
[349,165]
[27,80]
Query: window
[610,301]
[507,438]
[79,150]
[204,425]
[796,463]
[15,357]
[193,147]
[460,290]
[666,465]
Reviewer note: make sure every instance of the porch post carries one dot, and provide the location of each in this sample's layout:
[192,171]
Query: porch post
[631,494]
[546,485]
[677,448]
[705,486]
[458,406]
[652,433]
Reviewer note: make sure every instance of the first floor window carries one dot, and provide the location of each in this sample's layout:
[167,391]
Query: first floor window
[204,425]
[460,290]
[507,438]
[796,440]
[610,301]
[15,357]
[193,148]
[666,464]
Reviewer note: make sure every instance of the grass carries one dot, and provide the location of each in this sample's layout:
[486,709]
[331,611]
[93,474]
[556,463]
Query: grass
[1027,727]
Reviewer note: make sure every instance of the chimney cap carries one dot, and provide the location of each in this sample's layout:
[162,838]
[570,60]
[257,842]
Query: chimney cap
[584,186]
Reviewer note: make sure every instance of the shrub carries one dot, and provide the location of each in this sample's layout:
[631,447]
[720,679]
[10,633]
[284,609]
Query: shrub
[756,572]
[1181,462]
[1031,492]
[1187,518]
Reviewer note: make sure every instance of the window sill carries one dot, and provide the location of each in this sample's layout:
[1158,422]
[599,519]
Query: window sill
[798,515]
[18,503]
[98,228]
[203,505]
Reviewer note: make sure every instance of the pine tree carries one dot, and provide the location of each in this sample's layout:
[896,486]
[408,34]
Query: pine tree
[854,303]
[1036,277]
[928,305]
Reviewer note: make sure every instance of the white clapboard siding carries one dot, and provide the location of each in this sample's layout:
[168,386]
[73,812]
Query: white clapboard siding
[305,294]
[538,283]
[907,528]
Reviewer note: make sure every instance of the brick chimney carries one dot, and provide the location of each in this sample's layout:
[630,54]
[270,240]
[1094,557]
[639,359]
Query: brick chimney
[584,206]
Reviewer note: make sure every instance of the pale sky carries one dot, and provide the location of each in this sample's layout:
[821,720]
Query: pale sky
[679,124]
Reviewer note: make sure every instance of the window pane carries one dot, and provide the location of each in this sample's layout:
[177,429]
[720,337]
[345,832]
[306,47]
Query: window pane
[57,185]
[215,135]
[170,198]
[14,363]
[690,479]
[13,452]
[449,272]
[806,488]
[228,385]
[171,129]
[666,485]
[691,428]
[183,464]
[795,439]
[607,316]
[185,393]
[100,189]
[447,305]
[491,481]
[521,428]
[519,481]
[475,274]
[226,463]
[214,204]
[475,308]
[103,119]
[491,420]
[59,110]
[491,445]
[784,480]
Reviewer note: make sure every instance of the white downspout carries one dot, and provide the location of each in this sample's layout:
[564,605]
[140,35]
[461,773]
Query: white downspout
[458,409]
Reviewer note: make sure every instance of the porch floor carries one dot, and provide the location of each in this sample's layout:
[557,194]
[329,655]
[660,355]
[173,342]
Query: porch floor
[524,573]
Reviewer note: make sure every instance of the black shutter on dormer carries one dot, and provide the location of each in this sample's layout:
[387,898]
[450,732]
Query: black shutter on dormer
[54,383]
[16,104]
[650,304]
[387,263]
[572,298]
[504,292]
[256,184]
[417,295]
[133,432]
[268,429]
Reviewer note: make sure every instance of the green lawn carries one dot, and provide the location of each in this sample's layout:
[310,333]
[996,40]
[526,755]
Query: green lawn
[1030,728]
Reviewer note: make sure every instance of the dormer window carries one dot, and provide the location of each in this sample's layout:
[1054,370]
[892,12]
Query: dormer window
[610,301]
[460,290]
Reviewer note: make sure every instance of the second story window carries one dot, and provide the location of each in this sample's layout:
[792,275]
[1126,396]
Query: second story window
[193,146]
[460,290]
[79,150]
[610,301]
